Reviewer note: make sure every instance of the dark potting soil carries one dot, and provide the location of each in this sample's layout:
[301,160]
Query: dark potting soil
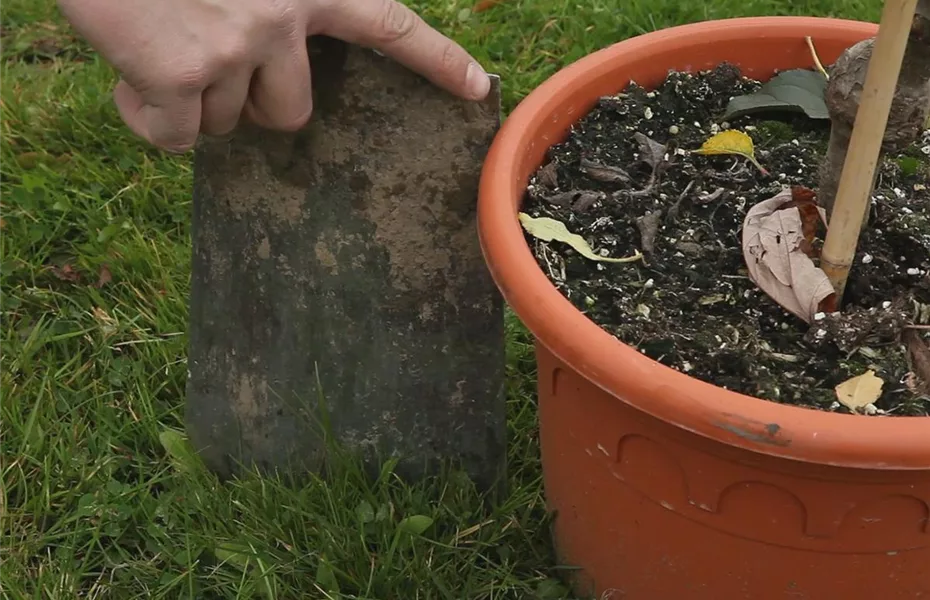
[690,303]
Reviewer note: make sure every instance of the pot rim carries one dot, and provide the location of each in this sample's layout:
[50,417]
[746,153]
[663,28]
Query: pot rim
[761,426]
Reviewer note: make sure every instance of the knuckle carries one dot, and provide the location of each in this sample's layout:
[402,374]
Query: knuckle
[192,77]
[295,123]
[321,8]
[277,15]
[451,59]
[189,77]
[232,52]
[397,22]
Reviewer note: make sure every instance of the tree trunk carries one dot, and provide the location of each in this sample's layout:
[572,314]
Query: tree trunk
[909,110]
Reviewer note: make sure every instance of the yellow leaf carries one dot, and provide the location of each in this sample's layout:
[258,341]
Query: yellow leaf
[731,141]
[547,230]
[860,391]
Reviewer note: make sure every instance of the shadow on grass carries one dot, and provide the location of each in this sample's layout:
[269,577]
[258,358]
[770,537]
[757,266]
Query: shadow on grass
[348,532]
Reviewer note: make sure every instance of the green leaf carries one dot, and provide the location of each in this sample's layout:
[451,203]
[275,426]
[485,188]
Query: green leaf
[107,233]
[909,165]
[186,557]
[7,268]
[33,182]
[551,589]
[796,90]
[87,504]
[325,577]
[183,456]
[383,513]
[365,512]
[415,524]
[232,553]
[114,487]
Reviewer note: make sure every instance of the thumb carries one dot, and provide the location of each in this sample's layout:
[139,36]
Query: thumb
[396,31]
[172,125]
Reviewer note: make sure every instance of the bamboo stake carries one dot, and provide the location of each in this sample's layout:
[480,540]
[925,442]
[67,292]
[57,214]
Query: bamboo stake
[855,186]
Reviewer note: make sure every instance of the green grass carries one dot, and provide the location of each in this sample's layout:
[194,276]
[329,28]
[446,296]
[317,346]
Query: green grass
[97,500]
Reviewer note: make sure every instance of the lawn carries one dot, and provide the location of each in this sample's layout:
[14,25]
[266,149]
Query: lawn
[98,498]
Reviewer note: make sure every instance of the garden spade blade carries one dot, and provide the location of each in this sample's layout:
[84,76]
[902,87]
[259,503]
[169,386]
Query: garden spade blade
[339,292]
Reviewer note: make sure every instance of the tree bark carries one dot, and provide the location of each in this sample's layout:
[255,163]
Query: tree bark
[909,110]
[338,286]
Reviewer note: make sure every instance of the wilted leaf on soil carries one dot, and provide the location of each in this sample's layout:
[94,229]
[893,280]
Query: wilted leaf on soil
[731,141]
[918,353]
[578,200]
[711,299]
[860,391]
[812,217]
[773,248]
[605,173]
[796,90]
[548,175]
[547,230]
[652,152]
[648,225]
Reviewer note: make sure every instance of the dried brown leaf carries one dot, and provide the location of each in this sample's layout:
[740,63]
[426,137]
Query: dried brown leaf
[605,173]
[584,201]
[66,273]
[648,226]
[561,199]
[773,242]
[707,198]
[578,200]
[548,175]
[918,353]
[805,201]
[483,5]
[105,276]
[860,391]
[651,151]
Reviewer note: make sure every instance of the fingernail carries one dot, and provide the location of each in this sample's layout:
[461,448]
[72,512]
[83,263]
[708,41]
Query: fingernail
[477,81]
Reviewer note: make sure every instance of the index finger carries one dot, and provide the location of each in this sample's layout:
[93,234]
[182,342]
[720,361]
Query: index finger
[396,31]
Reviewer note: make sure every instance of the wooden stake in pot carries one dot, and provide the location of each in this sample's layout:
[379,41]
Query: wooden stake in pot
[855,187]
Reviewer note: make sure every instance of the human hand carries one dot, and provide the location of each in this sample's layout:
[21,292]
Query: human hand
[191,66]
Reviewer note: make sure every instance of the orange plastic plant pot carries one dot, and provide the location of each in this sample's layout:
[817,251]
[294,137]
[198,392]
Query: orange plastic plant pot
[669,488]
